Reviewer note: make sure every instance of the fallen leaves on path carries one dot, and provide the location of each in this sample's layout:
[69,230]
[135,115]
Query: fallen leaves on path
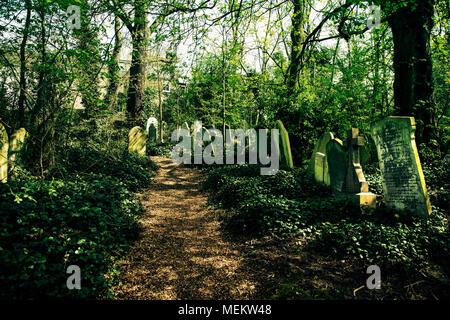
[181,252]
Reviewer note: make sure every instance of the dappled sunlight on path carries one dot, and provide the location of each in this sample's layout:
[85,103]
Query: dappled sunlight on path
[181,252]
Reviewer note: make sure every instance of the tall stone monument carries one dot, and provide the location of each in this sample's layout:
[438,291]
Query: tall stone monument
[285,148]
[4,145]
[337,165]
[403,180]
[137,141]
[152,129]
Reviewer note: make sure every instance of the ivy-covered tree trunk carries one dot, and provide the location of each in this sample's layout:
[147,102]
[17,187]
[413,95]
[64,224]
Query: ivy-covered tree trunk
[23,82]
[89,60]
[135,100]
[413,84]
[114,68]
[297,38]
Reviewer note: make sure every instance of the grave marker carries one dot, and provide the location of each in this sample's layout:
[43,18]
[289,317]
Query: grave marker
[4,144]
[355,182]
[337,164]
[403,180]
[321,175]
[137,141]
[16,143]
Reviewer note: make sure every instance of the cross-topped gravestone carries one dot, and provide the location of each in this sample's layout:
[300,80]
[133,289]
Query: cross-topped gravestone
[337,165]
[354,180]
[355,183]
[403,180]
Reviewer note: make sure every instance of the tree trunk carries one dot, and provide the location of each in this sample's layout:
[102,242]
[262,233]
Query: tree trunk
[297,38]
[113,88]
[135,100]
[22,84]
[413,83]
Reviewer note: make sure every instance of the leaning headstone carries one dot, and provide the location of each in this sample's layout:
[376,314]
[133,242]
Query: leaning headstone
[16,142]
[150,121]
[403,180]
[320,173]
[3,154]
[355,182]
[285,150]
[137,141]
[337,165]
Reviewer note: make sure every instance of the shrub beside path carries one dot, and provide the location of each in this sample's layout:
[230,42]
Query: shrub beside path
[181,252]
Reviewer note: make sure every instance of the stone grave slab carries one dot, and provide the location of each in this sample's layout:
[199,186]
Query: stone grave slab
[403,180]
[137,141]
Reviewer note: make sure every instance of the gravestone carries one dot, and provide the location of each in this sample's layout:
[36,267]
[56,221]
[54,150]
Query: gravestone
[321,175]
[4,144]
[403,180]
[355,182]
[285,148]
[16,142]
[152,129]
[137,141]
[150,121]
[197,142]
[337,165]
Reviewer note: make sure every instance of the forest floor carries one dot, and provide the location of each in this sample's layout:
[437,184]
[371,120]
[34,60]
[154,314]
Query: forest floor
[184,253]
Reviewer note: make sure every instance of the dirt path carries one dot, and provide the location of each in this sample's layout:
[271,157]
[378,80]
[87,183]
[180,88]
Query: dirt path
[181,252]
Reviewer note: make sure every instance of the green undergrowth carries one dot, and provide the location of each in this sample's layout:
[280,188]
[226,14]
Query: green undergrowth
[160,149]
[291,204]
[85,215]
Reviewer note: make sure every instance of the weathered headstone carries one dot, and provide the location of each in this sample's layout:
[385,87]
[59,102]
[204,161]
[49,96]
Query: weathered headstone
[197,141]
[150,121]
[355,182]
[321,175]
[337,164]
[285,147]
[152,129]
[4,144]
[16,142]
[137,141]
[403,180]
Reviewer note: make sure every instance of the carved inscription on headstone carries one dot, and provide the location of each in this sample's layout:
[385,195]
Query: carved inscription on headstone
[403,180]
[4,146]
